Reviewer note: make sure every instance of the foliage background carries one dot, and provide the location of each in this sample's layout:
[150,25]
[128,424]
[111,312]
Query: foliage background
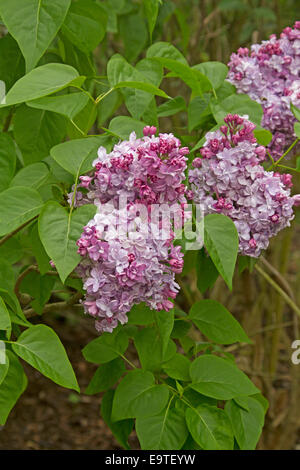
[202,30]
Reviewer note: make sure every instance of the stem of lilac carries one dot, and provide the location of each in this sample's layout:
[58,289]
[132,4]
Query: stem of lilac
[283,294]
[285,153]
[103,95]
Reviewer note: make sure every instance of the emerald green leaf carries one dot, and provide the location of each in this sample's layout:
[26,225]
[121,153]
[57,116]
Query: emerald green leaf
[295,111]
[17,206]
[173,106]
[41,348]
[133,31]
[36,131]
[12,65]
[219,378]
[121,429]
[122,126]
[216,322]
[237,104]
[76,156]
[210,427]
[12,387]
[247,425]
[216,72]
[4,360]
[199,111]
[33,175]
[167,51]
[137,396]
[59,231]
[11,250]
[151,10]
[7,160]
[263,136]
[40,82]
[165,431]
[149,347]
[222,243]
[39,250]
[164,322]
[106,348]
[297,129]
[34,24]
[5,323]
[141,315]
[106,376]
[39,287]
[178,367]
[85,25]
[207,273]
[147,87]
[67,105]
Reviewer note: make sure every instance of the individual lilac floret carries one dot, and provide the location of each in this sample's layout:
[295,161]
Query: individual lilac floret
[229,179]
[128,254]
[271,76]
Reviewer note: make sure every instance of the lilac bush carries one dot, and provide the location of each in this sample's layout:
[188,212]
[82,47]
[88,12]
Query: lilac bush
[124,261]
[270,76]
[230,179]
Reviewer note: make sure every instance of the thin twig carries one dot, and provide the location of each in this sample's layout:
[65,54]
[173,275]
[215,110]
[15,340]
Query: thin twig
[279,277]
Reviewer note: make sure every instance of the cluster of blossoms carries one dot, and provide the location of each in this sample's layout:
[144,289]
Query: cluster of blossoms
[271,76]
[127,249]
[229,179]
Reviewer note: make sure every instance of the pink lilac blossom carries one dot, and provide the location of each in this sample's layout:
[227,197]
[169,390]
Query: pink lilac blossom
[124,262]
[271,76]
[230,180]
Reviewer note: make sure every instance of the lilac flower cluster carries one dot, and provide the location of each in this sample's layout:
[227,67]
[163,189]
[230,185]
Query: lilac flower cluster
[124,262]
[229,179]
[271,76]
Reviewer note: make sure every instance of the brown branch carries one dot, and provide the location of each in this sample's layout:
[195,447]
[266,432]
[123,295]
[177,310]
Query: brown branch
[279,276]
[56,306]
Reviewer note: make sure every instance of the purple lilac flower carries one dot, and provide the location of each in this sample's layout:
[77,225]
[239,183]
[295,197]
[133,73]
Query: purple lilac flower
[271,76]
[123,261]
[229,179]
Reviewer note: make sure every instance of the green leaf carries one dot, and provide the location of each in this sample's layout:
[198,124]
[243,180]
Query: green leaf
[36,131]
[263,136]
[106,348]
[67,105]
[151,10]
[216,322]
[122,126]
[12,387]
[7,160]
[207,273]
[12,65]
[210,427]
[59,231]
[137,396]
[34,24]
[147,87]
[76,156]
[237,104]
[32,175]
[121,429]
[133,31]
[219,378]
[5,323]
[39,250]
[106,376]
[178,367]
[167,51]
[39,288]
[173,106]
[297,129]
[85,25]
[222,243]
[164,322]
[216,72]
[11,250]
[149,347]
[4,361]
[247,425]
[42,81]
[41,348]
[165,431]
[17,206]
[295,111]
[141,315]
[198,111]
[146,72]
